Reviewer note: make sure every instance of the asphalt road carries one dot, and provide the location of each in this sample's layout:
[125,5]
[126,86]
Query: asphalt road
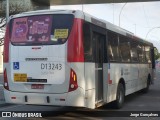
[136,103]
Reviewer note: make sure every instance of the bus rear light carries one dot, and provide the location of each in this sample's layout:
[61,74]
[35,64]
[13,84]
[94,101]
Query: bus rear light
[13,97]
[72,86]
[6,45]
[6,86]
[73,81]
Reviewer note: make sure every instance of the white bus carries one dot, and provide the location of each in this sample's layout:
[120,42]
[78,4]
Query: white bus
[70,58]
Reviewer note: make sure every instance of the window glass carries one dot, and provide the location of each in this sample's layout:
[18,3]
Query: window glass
[134,55]
[88,50]
[113,52]
[141,53]
[148,54]
[99,40]
[124,48]
[41,29]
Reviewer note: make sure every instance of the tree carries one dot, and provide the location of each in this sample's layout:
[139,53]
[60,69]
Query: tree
[2,29]
[15,7]
[156,54]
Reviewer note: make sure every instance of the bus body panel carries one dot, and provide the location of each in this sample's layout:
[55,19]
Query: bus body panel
[129,72]
[105,81]
[57,97]
[90,84]
[38,65]
[49,67]
[134,75]
[90,89]
[113,78]
[75,98]
[52,69]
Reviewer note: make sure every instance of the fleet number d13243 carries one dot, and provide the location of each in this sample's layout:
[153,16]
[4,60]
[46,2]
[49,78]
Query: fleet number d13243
[51,66]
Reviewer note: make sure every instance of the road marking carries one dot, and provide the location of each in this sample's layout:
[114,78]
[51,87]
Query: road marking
[1,85]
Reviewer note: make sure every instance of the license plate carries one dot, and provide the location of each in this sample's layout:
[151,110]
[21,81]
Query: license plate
[37,86]
[20,77]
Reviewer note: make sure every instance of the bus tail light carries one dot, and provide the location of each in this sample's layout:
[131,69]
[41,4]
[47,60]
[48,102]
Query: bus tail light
[73,81]
[6,86]
[6,45]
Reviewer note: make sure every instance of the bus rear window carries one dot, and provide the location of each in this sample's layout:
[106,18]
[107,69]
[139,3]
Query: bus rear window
[41,29]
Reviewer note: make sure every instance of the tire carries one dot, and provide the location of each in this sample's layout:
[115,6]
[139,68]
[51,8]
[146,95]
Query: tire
[118,103]
[145,90]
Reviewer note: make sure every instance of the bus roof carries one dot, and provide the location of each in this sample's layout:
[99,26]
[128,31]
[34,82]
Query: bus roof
[88,18]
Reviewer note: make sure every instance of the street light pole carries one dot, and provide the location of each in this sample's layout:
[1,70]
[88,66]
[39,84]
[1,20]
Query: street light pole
[7,10]
[150,31]
[120,14]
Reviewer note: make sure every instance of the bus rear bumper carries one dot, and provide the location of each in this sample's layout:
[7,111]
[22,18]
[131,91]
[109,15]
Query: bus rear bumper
[74,98]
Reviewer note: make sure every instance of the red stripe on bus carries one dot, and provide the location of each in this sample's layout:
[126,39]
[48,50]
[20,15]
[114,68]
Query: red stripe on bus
[75,52]
[6,45]
[109,79]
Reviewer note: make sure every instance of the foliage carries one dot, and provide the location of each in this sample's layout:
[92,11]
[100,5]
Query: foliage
[156,54]
[15,6]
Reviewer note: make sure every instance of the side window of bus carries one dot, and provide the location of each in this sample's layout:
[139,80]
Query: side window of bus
[141,53]
[88,54]
[124,48]
[134,55]
[113,52]
[148,53]
[144,54]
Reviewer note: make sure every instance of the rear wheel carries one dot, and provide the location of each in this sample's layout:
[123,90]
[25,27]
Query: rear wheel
[118,103]
[145,90]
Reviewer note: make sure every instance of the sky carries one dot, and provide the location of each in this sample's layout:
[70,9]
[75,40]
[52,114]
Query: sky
[141,18]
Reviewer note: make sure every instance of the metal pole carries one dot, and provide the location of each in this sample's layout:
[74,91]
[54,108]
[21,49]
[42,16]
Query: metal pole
[120,14]
[150,31]
[7,10]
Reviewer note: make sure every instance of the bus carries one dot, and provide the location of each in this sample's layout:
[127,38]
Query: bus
[70,58]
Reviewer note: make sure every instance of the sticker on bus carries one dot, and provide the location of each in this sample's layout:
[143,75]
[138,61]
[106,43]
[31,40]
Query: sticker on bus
[19,29]
[18,77]
[16,65]
[31,29]
[61,33]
